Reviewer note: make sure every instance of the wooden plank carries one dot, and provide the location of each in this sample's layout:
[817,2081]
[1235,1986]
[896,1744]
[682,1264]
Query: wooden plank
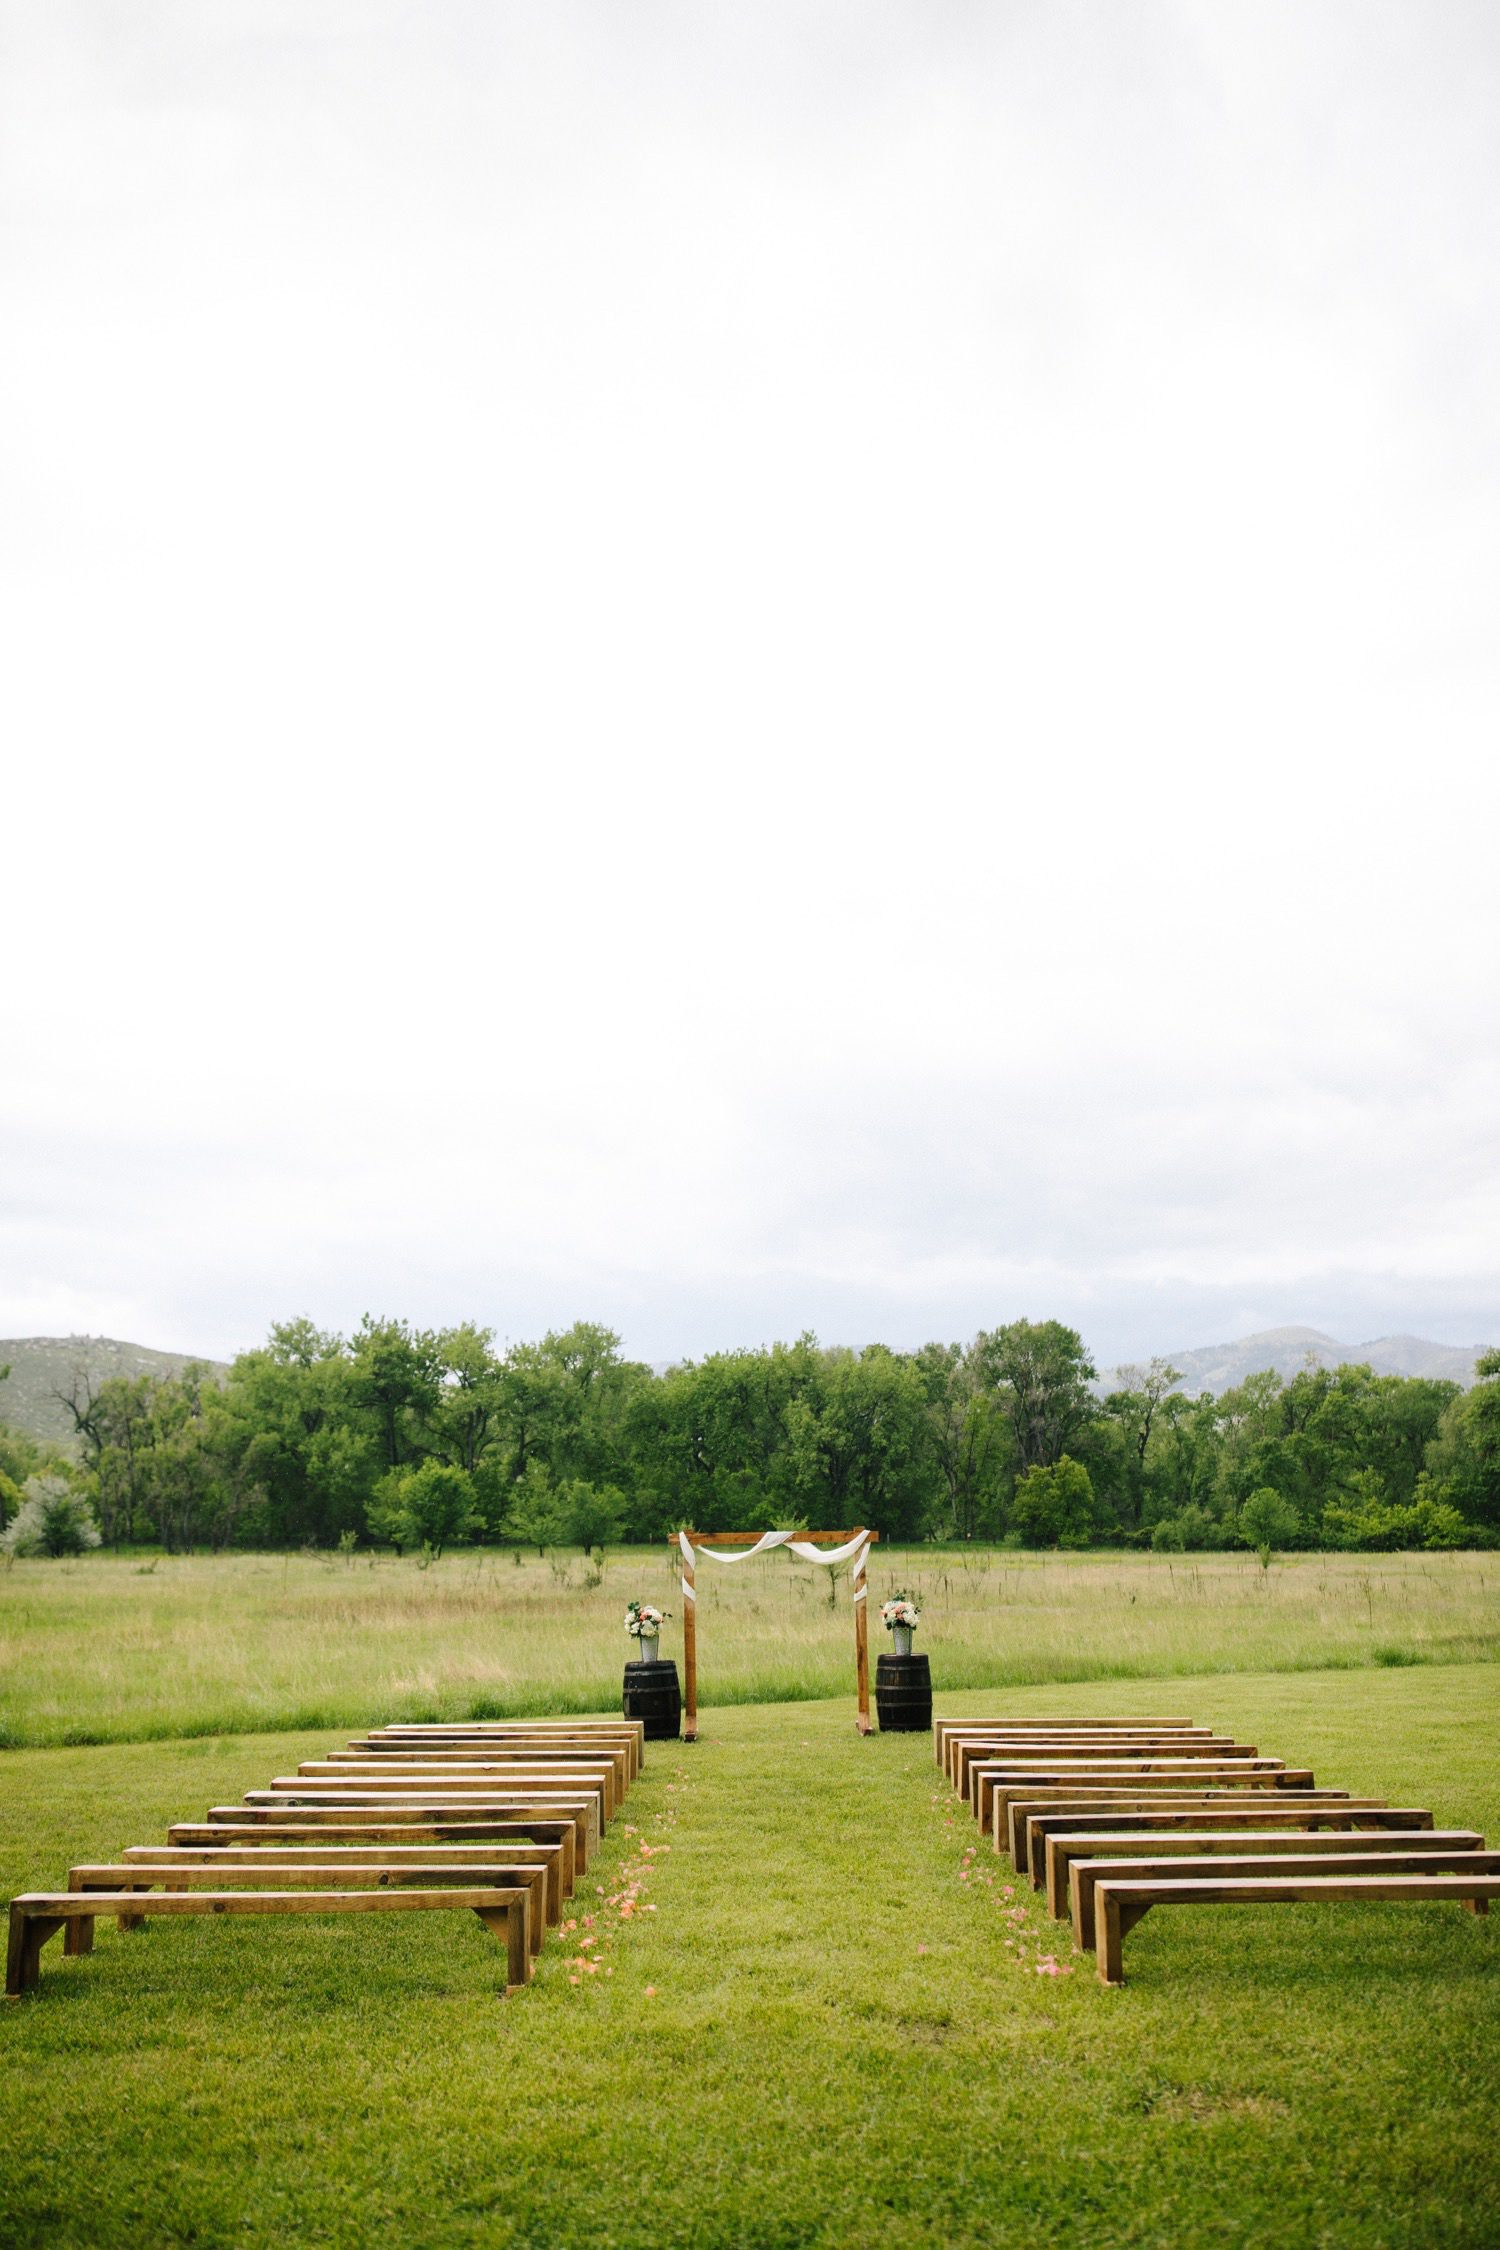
[1188,1773]
[1011,1808]
[942,1727]
[353,1810]
[145,1876]
[1307,1810]
[503,1772]
[461,1740]
[967,1751]
[466,1834]
[483,1757]
[632,1732]
[385,1773]
[1118,1905]
[551,1858]
[1414,1853]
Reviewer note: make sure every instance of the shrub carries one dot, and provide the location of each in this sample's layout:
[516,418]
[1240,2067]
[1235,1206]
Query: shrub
[53,1519]
[430,1508]
[1269,1521]
[1191,1527]
[1055,1505]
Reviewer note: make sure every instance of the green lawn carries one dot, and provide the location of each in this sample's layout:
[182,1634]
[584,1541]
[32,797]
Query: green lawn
[134,1648]
[840,2046]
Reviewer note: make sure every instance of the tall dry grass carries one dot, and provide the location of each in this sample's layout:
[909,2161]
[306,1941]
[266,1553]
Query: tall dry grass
[123,1649]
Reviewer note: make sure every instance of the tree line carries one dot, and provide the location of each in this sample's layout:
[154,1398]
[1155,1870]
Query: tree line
[424,1439]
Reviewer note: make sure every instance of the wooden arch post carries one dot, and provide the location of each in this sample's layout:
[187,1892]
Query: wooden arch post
[751,1539]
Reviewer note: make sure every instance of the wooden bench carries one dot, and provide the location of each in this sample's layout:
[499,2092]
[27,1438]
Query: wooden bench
[1080,1864]
[420,1802]
[1121,1903]
[944,1730]
[992,1750]
[1046,1739]
[356,1812]
[36,1916]
[1188,1773]
[140,1876]
[630,1736]
[479,1759]
[503,1772]
[1342,1816]
[215,1836]
[547,1860]
[1013,1807]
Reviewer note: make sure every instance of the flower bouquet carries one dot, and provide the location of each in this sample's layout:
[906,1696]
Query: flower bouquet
[644,1624]
[900,1616]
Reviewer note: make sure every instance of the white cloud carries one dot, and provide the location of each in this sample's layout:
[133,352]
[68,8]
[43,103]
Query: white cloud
[825,667]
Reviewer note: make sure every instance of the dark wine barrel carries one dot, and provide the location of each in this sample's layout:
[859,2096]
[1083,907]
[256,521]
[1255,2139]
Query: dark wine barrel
[652,1694]
[903,1694]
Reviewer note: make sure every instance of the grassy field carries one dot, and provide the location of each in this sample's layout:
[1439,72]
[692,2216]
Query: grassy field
[135,1649]
[822,2036]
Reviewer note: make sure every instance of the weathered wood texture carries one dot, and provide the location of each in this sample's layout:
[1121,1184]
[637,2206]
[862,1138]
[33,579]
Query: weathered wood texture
[549,1860]
[1011,1817]
[1343,1817]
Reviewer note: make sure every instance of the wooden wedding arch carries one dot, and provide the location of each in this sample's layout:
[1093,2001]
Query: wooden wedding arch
[685,1541]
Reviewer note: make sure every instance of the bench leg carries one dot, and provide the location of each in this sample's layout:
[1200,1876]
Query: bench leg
[1112,1925]
[1085,1929]
[28,1934]
[1477,1905]
[509,1924]
[1057,1881]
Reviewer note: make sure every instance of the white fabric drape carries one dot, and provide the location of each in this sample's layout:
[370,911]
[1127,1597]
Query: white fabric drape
[768,1539]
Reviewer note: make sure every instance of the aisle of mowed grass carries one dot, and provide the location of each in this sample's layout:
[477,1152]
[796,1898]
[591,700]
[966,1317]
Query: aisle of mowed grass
[133,1648]
[820,2038]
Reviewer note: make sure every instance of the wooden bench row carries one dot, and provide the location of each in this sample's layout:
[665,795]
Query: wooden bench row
[502,1829]
[1132,1814]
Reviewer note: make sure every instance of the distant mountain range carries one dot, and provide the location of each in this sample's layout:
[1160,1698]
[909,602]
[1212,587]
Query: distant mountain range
[1218,1367]
[43,1366]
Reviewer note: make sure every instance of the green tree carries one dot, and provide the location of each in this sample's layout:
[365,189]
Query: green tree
[54,1519]
[588,1515]
[1267,1521]
[1054,1504]
[968,1438]
[395,1378]
[431,1505]
[534,1517]
[1134,1411]
[1039,1373]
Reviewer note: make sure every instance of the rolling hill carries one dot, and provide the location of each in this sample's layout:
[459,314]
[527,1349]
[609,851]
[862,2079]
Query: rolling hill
[1218,1367]
[41,1367]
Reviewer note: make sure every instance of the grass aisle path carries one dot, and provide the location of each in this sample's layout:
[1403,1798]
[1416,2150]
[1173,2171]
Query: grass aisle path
[771,2059]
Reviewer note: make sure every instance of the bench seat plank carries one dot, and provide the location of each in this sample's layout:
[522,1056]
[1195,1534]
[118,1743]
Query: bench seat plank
[185,1874]
[994,1749]
[553,1858]
[218,1834]
[1147,1790]
[1353,1815]
[942,1728]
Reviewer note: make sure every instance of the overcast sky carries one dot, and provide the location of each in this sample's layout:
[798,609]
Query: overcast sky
[741,668]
